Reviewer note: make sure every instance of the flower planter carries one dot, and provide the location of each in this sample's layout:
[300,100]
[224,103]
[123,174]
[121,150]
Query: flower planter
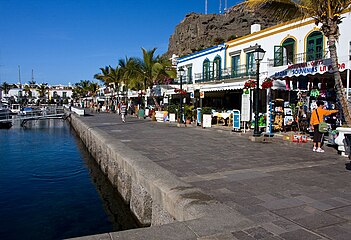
[340,139]
[161,116]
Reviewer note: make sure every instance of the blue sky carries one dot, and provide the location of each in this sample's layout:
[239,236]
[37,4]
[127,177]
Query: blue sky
[65,41]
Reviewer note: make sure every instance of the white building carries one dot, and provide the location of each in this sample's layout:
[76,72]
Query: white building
[297,57]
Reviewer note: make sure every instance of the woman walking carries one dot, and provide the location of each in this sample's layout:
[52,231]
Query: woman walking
[316,118]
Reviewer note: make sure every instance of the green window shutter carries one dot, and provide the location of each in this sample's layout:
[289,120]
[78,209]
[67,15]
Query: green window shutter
[278,56]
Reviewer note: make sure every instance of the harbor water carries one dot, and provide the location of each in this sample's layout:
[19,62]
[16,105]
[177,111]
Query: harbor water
[51,188]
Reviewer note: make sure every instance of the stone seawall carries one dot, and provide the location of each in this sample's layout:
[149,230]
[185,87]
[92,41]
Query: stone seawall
[174,209]
[155,195]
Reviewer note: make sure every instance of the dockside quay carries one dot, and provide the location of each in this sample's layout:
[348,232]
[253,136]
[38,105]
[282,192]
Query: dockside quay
[196,183]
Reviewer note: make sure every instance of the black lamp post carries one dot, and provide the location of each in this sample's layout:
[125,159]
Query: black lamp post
[181,72]
[258,54]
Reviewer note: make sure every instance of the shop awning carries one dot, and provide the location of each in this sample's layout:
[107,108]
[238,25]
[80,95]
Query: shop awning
[222,86]
[306,68]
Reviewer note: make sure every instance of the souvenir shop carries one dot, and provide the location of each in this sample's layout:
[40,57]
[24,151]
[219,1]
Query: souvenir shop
[291,108]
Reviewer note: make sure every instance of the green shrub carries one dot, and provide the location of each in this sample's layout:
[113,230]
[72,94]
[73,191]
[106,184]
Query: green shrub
[206,110]
[189,111]
[172,108]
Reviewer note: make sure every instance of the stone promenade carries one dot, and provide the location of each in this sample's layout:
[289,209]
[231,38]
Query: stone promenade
[284,191]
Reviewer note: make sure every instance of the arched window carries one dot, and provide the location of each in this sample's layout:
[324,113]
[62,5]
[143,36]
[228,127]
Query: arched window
[285,54]
[206,70]
[289,51]
[314,46]
[217,68]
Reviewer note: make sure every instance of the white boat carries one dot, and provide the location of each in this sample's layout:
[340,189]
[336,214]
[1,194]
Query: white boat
[5,117]
[15,108]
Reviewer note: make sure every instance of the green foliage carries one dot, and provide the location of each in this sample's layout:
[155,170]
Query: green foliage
[218,40]
[206,110]
[232,37]
[172,108]
[189,111]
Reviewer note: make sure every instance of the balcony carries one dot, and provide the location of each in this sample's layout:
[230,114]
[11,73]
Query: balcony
[226,73]
[299,58]
[185,80]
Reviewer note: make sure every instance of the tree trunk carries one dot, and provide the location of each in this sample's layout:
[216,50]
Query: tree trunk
[340,90]
[145,103]
[117,93]
[156,103]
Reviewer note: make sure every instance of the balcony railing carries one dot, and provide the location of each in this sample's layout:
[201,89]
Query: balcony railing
[185,80]
[226,73]
[299,58]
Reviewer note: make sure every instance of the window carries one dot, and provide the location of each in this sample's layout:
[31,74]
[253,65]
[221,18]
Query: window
[235,65]
[206,70]
[250,64]
[189,74]
[217,68]
[289,51]
[314,46]
[285,54]
[64,94]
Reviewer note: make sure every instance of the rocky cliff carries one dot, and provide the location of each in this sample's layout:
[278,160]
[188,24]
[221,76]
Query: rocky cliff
[199,31]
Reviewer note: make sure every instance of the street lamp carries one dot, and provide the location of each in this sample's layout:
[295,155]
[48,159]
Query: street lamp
[258,54]
[181,72]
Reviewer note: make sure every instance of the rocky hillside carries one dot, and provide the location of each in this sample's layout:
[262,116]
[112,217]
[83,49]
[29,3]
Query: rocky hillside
[199,31]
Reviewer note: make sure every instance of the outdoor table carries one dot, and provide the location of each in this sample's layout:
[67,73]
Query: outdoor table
[223,115]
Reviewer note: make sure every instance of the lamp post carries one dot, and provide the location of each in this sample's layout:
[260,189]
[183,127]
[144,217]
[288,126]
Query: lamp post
[258,54]
[181,72]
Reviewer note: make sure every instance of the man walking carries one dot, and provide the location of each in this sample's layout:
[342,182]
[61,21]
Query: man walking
[123,111]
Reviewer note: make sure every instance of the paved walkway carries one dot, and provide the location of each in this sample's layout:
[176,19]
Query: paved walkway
[287,190]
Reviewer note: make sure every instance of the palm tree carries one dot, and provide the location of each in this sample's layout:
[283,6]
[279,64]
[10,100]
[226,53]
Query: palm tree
[42,90]
[154,70]
[6,87]
[328,14]
[110,75]
[129,72]
[27,90]
[93,88]
[85,88]
[104,76]
[32,83]
[116,78]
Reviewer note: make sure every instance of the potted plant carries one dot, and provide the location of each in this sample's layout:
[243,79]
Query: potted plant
[206,117]
[189,113]
[172,110]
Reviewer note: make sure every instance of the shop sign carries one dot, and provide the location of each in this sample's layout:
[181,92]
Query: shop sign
[306,68]
[202,94]
[245,107]
[236,119]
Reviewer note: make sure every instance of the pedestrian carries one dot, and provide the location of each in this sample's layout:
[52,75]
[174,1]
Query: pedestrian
[123,111]
[317,117]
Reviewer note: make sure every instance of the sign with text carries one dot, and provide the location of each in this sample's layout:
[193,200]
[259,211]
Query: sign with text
[245,107]
[312,67]
[236,119]
[206,120]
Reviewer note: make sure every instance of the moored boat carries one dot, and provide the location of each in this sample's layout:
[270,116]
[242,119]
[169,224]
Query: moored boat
[5,118]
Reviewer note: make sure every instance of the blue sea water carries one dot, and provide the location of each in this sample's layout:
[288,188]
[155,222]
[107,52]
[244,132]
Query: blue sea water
[51,188]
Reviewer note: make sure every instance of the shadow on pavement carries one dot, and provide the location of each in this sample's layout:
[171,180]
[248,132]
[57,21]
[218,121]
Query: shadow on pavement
[348,166]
